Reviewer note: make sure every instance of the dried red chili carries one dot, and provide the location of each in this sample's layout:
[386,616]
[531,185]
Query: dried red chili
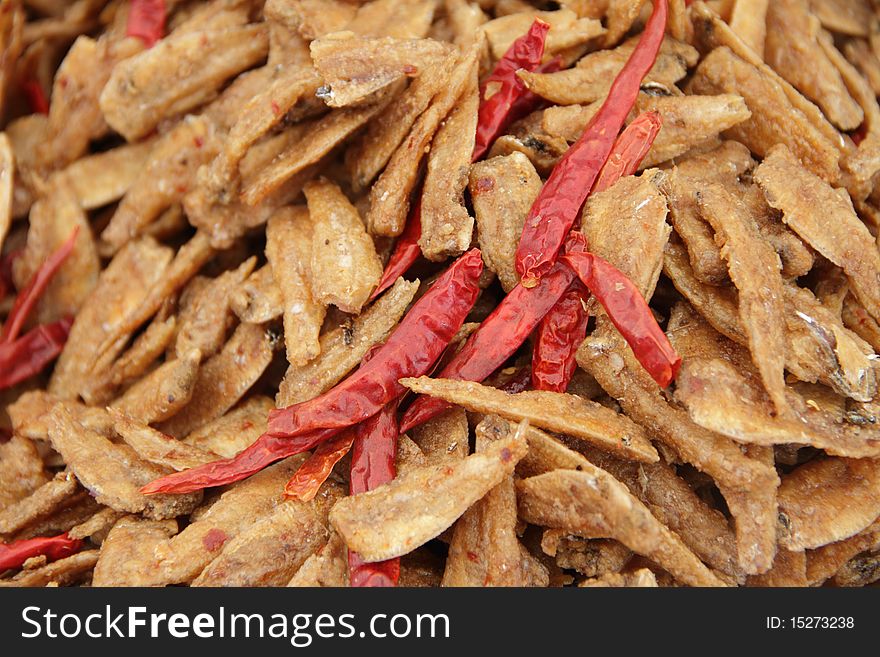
[499,336]
[314,471]
[557,206]
[629,150]
[414,346]
[501,89]
[29,354]
[372,465]
[629,312]
[563,329]
[263,452]
[28,297]
[36,97]
[557,339]
[146,21]
[406,251]
[13,555]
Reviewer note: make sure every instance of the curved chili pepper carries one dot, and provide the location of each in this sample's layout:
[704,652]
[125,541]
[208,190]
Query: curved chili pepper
[629,150]
[263,452]
[629,312]
[13,555]
[501,89]
[411,350]
[28,297]
[557,206]
[499,336]
[29,354]
[146,21]
[406,251]
[372,465]
[559,335]
[314,471]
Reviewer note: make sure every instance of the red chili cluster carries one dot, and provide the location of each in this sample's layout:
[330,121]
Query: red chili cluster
[559,273]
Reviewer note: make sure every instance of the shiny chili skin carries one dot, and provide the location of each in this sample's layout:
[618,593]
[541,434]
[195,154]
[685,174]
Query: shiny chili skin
[314,471]
[406,251]
[501,89]
[146,21]
[499,336]
[629,150]
[629,312]
[372,465]
[29,354]
[411,350]
[557,206]
[557,339]
[28,297]
[13,555]
[263,452]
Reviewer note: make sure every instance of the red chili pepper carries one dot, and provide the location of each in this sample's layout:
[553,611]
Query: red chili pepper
[565,326]
[499,336]
[372,465]
[629,312]
[557,206]
[406,251]
[502,88]
[414,346]
[29,354]
[28,297]
[314,471]
[559,335]
[13,555]
[35,95]
[629,150]
[263,452]
[146,21]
